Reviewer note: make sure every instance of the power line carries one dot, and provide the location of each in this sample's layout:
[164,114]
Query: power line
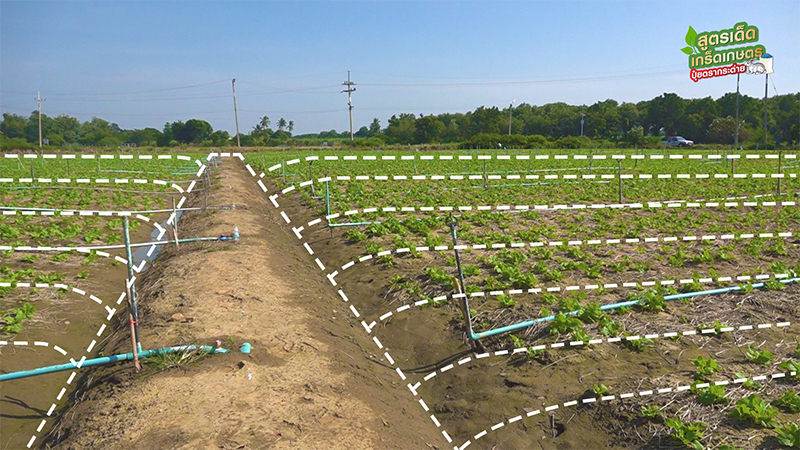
[288,78]
[125,93]
[518,83]
[293,112]
[196,97]
[98,114]
[671,66]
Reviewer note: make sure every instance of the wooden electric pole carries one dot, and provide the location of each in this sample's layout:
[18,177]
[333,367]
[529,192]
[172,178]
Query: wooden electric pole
[39,99]
[349,89]
[236,113]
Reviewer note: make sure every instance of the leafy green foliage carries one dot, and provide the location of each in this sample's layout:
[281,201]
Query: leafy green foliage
[600,390]
[563,324]
[653,302]
[729,447]
[471,271]
[750,384]
[93,234]
[689,434]
[651,412]
[592,313]
[354,235]
[789,435]
[388,260]
[376,229]
[705,367]
[30,258]
[710,395]
[61,257]
[506,301]
[534,353]
[756,411]
[610,327]
[581,335]
[789,401]
[790,366]
[440,276]
[763,357]
[746,288]
[635,344]
[373,248]
[12,319]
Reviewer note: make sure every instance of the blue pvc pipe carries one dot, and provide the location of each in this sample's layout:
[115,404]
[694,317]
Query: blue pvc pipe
[528,323]
[106,360]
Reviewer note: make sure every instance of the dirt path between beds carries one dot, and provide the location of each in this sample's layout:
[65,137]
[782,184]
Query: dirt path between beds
[309,382]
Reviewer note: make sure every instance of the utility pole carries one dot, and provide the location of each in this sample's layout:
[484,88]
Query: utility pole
[736,137]
[766,91]
[236,113]
[39,99]
[510,108]
[582,116]
[349,89]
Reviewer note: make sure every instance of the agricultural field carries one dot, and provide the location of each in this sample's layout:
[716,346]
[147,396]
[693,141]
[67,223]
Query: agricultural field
[62,271]
[547,299]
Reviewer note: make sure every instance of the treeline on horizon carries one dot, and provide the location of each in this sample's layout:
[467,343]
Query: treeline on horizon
[607,124]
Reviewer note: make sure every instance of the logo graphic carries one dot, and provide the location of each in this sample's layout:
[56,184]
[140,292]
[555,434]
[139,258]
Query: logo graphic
[707,60]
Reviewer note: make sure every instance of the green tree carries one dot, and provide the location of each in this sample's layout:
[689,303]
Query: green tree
[487,120]
[636,136]
[666,111]
[374,127]
[401,129]
[220,138]
[629,116]
[13,126]
[362,132]
[95,130]
[69,128]
[194,131]
[428,129]
[723,129]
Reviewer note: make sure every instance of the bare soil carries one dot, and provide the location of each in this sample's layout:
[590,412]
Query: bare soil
[310,382]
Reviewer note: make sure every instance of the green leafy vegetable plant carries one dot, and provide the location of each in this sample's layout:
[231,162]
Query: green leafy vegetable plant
[756,411]
[689,434]
[12,319]
[750,384]
[705,367]
[789,435]
[506,301]
[600,390]
[635,344]
[651,412]
[710,395]
[790,366]
[563,324]
[754,355]
[790,401]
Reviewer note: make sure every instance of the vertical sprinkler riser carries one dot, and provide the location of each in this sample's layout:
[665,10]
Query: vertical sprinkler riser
[132,287]
[465,300]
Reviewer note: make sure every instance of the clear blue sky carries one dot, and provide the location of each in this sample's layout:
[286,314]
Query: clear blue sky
[289,58]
